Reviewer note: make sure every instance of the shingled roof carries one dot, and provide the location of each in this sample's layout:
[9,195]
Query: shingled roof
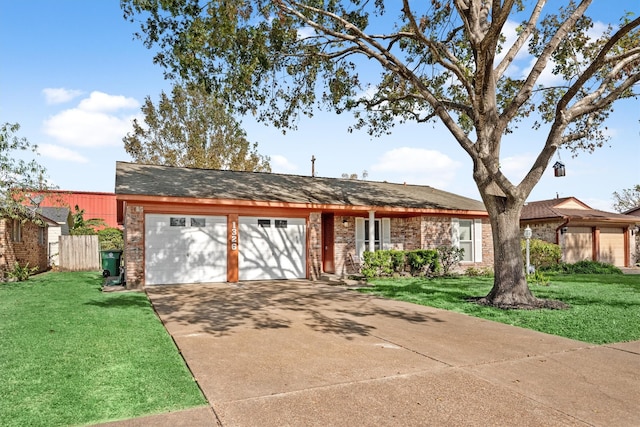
[553,209]
[152,180]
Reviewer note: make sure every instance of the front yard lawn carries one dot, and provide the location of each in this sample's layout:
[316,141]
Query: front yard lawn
[604,308]
[72,355]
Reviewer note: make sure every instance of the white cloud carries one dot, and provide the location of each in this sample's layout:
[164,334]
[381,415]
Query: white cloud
[511,35]
[280,164]
[61,153]
[416,166]
[99,101]
[516,167]
[95,122]
[60,95]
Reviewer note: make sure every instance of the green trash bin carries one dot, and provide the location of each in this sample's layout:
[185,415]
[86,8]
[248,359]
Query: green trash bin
[110,262]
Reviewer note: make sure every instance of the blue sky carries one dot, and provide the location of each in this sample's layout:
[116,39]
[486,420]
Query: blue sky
[73,76]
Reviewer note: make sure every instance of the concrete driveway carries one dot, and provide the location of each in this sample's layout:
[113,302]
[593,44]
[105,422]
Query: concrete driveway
[299,353]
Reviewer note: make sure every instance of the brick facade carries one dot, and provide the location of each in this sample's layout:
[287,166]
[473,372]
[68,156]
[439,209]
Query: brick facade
[314,236]
[32,247]
[134,246]
[422,232]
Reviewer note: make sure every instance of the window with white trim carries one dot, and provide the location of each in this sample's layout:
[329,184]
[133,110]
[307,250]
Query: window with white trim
[467,235]
[381,236]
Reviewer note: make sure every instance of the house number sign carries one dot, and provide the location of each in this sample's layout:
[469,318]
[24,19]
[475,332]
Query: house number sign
[234,236]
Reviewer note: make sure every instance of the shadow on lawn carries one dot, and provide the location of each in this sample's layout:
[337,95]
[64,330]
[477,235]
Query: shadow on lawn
[221,309]
[126,300]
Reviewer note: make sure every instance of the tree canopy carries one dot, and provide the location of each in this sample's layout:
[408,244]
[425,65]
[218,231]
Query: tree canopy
[627,199]
[456,61]
[19,176]
[192,128]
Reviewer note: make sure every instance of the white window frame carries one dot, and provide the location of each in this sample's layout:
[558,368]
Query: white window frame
[475,238]
[362,240]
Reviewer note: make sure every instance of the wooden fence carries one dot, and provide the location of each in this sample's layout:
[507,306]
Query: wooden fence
[79,253]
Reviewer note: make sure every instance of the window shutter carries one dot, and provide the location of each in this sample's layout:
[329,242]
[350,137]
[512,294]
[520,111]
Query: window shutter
[477,240]
[386,233]
[359,237]
[455,232]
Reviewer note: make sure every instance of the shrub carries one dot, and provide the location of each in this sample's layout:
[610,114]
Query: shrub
[423,261]
[479,272]
[21,272]
[377,264]
[586,267]
[110,238]
[398,260]
[449,256]
[542,254]
[538,278]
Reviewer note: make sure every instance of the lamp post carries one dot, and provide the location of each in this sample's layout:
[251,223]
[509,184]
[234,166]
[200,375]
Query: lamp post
[527,235]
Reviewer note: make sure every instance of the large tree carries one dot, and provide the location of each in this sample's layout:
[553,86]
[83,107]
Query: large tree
[435,60]
[627,199]
[192,128]
[22,178]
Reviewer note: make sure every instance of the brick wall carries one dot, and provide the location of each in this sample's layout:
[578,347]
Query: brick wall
[407,234]
[28,250]
[543,231]
[315,245]
[134,247]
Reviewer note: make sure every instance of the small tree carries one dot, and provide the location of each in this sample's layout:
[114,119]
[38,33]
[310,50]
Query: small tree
[18,177]
[85,227]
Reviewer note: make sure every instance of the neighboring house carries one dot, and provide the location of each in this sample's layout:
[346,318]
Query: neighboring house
[194,225]
[23,242]
[582,232]
[636,232]
[61,223]
[95,204]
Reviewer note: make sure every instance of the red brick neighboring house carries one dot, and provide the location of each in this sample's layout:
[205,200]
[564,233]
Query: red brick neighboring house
[23,242]
[193,225]
[582,232]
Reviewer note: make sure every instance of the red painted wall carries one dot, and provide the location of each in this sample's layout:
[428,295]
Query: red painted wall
[95,204]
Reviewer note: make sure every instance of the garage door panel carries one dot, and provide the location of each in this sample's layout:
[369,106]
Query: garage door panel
[578,244]
[272,248]
[612,246]
[185,249]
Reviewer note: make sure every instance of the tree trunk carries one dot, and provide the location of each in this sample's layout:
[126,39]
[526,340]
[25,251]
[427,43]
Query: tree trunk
[510,289]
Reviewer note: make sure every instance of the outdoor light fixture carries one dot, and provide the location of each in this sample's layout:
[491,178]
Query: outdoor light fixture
[527,235]
[558,169]
[635,230]
[345,223]
[564,230]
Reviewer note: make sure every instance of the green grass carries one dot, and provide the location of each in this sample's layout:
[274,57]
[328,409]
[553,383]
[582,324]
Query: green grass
[72,355]
[604,308]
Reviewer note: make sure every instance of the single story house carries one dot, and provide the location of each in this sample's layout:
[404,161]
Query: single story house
[186,225]
[23,241]
[59,225]
[582,232]
[636,232]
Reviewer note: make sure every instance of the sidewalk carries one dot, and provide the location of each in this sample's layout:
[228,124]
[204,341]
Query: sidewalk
[298,353]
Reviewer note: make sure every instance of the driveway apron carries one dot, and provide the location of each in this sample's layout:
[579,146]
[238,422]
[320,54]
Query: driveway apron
[299,353]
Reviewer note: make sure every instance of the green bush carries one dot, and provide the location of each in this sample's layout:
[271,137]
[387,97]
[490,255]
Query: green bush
[585,267]
[398,260]
[479,272]
[377,264]
[423,261]
[449,256]
[541,254]
[21,272]
[110,238]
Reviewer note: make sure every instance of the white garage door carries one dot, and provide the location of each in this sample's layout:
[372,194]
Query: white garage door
[271,248]
[612,246]
[185,249]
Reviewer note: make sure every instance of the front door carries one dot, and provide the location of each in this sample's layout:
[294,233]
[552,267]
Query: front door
[328,255]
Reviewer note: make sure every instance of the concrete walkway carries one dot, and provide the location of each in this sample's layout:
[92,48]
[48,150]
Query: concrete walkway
[297,353]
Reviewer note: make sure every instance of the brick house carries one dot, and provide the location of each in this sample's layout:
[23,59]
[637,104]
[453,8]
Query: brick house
[23,242]
[193,225]
[582,232]
[636,232]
